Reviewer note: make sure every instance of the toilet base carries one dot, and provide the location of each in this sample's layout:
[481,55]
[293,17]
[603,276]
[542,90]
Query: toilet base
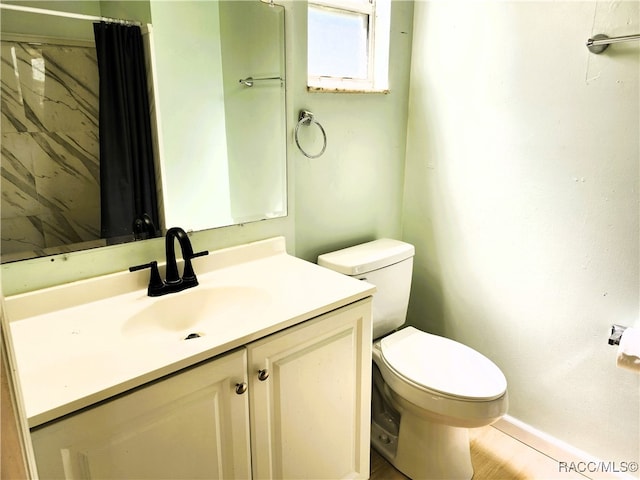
[384,442]
[428,450]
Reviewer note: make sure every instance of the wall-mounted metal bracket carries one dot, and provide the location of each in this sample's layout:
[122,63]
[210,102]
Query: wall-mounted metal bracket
[599,43]
[616,334]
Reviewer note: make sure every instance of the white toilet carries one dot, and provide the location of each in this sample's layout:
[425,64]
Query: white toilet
[427,390]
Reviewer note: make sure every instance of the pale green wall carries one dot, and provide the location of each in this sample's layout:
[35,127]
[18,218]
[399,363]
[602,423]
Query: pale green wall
[521,198]
[29,23]
[353,193]
[191,107]
[126,9]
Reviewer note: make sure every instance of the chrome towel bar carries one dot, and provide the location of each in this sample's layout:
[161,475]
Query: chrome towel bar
[599,43]
[249,81]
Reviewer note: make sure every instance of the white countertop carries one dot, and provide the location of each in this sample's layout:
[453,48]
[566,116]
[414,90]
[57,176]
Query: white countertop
[72,348]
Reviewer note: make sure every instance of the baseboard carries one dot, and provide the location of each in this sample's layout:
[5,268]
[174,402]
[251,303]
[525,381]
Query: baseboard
[571,458]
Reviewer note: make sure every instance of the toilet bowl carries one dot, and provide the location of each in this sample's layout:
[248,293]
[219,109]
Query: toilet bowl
[436,406]
[427,390]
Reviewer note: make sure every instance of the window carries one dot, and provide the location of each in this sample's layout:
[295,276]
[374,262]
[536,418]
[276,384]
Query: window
[348,45]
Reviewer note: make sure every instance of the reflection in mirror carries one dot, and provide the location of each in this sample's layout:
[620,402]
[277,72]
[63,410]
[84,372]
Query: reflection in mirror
[220,146]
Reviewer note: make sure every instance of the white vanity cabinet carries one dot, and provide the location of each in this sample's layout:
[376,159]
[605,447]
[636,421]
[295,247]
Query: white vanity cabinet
[310,391]
[305,414]
[194,424]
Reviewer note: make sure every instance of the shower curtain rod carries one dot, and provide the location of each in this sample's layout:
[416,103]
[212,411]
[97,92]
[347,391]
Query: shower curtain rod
[78,16]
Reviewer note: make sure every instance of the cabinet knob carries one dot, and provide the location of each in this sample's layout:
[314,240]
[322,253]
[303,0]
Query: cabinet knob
[241,388]
[263,374]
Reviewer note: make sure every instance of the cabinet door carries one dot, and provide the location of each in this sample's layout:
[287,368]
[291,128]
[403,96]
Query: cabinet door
[190,425]
[310,406]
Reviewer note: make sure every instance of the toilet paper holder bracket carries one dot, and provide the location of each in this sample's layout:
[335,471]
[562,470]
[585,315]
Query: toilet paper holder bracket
[616,334]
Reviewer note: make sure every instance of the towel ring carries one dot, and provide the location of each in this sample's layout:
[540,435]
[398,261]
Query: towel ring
[306,118]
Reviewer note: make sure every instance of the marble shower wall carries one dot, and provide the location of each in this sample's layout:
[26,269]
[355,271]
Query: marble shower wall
[50,149]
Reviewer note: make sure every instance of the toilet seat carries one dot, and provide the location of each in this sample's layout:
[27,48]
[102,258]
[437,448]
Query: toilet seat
[441,365]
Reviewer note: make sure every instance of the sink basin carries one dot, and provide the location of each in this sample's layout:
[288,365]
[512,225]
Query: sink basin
[196,311]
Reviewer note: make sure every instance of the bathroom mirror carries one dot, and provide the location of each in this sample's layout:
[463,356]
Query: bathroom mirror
[217,73]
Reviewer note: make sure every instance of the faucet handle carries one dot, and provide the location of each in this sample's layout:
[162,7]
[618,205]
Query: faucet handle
[188,275]
[155,280]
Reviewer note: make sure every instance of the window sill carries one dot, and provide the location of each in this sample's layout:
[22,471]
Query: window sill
[345,90]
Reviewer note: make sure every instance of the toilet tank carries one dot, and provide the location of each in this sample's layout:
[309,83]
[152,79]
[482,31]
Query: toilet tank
[385,263]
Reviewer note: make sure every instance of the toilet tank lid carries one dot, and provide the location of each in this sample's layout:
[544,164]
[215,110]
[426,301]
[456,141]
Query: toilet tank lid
[367,257]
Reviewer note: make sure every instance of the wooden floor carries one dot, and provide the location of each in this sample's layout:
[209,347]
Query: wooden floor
[495,456]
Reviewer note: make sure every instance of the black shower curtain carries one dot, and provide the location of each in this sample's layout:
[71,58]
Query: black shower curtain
[127,176]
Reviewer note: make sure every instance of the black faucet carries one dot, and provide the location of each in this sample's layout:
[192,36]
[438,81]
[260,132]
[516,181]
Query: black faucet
[173,282]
